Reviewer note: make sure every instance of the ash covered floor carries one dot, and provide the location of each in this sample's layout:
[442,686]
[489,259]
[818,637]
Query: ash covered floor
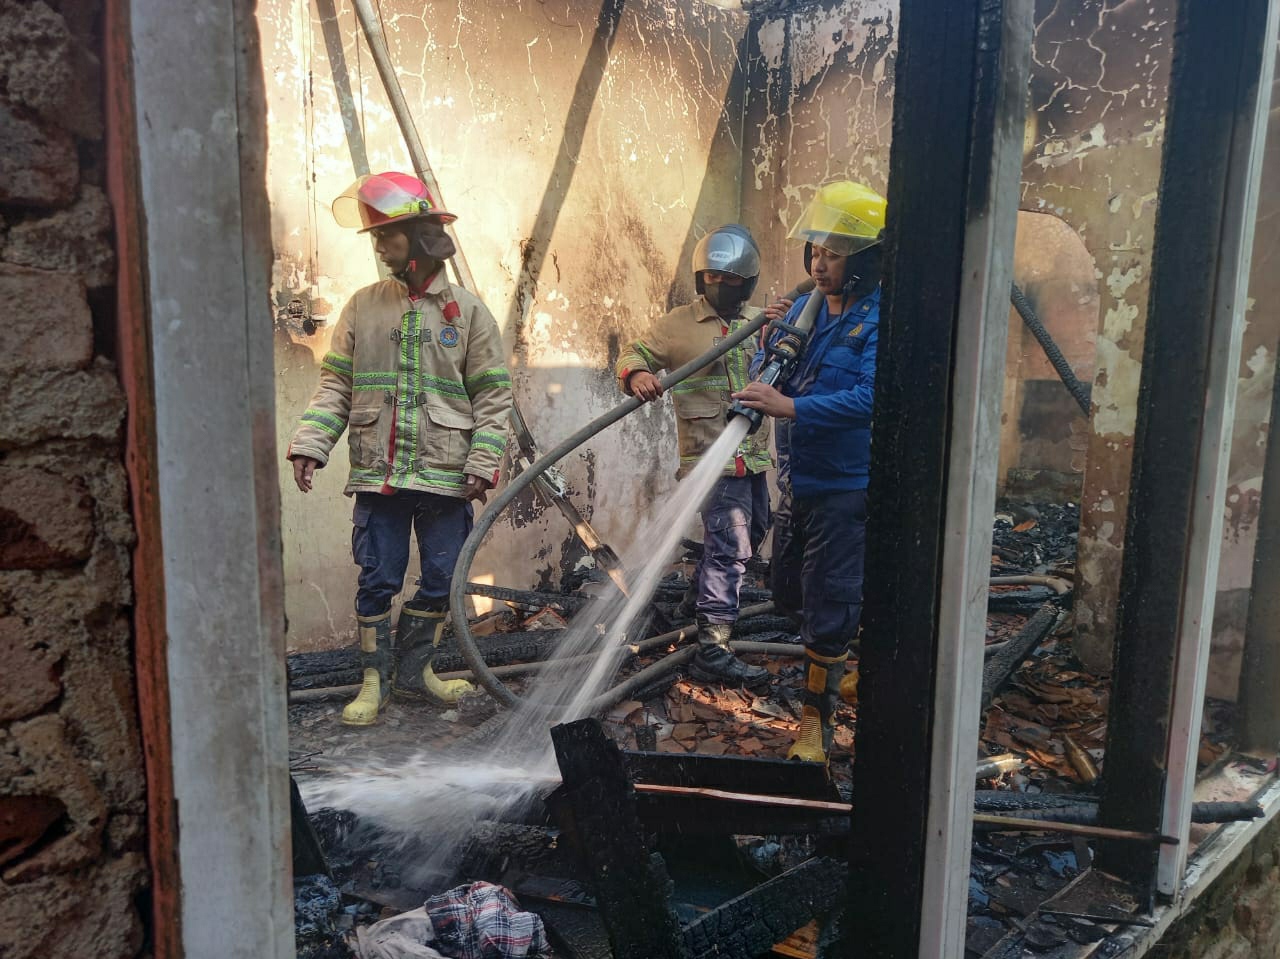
[1046,719]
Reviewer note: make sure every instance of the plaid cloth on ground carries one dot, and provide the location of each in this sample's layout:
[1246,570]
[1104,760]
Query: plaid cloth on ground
[483,921]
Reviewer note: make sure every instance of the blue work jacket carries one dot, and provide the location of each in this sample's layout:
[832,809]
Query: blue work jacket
[829,442]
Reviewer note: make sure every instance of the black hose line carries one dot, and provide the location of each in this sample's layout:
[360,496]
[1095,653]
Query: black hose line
[1079,392]
[461,572]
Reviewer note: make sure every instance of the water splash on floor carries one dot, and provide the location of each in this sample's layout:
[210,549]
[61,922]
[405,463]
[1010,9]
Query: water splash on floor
[433,801]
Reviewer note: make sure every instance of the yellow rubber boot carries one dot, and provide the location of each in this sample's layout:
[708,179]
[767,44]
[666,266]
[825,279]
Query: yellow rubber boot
[375,656]
[447,691]
[849,685]
[420,636]
[822,682]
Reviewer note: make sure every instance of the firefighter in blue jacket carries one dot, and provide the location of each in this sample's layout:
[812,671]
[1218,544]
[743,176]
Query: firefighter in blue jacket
[818,553]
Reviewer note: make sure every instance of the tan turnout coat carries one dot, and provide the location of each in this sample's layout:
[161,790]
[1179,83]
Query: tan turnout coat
[421,385]
[703,399]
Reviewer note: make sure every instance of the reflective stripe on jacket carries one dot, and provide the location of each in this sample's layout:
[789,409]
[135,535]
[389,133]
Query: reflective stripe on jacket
[422,385]
[702,400]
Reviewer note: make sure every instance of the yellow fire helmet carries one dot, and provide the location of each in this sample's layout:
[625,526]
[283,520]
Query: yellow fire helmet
[843,217]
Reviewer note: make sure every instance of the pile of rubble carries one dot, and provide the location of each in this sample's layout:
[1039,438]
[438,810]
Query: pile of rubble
[1043,734]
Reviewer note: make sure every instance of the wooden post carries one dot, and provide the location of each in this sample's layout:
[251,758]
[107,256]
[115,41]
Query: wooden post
[959,112]
[1186,400]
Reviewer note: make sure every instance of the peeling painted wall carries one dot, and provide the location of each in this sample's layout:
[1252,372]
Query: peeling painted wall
[1098,93]
[1252,427]
[821,107]
[584,148]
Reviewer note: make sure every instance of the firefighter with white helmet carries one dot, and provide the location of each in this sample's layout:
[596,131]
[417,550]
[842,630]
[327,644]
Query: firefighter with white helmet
[416,374]
[825,408]
[726,266]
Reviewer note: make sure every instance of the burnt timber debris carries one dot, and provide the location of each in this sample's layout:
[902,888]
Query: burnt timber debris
[704,783]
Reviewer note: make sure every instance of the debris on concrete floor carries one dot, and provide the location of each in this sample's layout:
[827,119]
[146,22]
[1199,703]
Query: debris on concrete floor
[1048,721]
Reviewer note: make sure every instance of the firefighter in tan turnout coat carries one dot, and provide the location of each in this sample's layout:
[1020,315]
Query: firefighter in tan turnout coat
[735,518]
[416,374]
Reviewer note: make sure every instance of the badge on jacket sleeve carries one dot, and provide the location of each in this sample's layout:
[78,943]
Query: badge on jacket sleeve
[855,331]
[448,336]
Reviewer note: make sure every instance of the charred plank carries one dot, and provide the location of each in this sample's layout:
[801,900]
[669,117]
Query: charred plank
[597,811]
[750,924]
[1001,666]
[780,777]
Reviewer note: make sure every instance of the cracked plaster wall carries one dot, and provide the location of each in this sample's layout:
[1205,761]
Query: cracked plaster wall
[72,788]
[584,149]
[820,107]
[1100,74]
[578,227]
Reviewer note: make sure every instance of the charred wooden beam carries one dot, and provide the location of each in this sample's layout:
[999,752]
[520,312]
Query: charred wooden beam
[1186,398]
[737,773]
[705,816]
[749,925]
[528,598]
[959,109]
[308,854]
[597,812]
[1009,657]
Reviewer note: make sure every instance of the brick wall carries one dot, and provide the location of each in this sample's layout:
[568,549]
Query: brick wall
[72,789]
[1239,917]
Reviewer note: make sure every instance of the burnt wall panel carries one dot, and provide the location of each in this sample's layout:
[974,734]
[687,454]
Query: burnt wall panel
[585,147]
[818,109]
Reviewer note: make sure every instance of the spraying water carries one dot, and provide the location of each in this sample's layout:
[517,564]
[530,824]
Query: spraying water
[434,801]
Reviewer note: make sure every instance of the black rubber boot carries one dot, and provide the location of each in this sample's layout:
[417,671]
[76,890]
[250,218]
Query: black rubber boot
[688,607]
[419,636]
[715,662]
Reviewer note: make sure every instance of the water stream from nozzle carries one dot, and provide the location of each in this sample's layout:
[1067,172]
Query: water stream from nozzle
[435,800]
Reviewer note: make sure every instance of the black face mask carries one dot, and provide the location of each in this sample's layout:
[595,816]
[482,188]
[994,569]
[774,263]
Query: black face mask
[724,299]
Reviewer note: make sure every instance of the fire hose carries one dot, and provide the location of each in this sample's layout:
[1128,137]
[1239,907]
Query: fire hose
[776,368]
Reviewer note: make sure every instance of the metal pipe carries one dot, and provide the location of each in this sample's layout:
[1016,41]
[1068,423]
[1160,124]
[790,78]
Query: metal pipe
[676,635]
[1012,824]
[372,26]
[1004,823]
[1058,585]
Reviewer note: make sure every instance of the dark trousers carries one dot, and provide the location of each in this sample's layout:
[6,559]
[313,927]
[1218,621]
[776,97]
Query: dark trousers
[735,519]
[817,567]
[380,546]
